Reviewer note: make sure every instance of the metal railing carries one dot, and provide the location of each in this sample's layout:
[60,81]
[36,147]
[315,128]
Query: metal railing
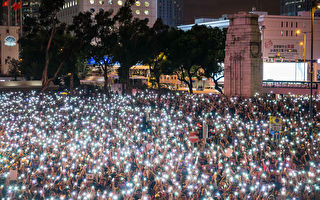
[290,84]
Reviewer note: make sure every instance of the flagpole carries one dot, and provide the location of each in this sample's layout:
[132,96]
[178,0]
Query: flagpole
[8,14]
[15,14]
[21,19]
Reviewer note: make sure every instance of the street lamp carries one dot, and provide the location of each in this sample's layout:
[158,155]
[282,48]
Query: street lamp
[314,6]
[304,48]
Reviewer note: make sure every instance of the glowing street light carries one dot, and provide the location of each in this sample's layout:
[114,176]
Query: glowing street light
[304,43]
[315,5]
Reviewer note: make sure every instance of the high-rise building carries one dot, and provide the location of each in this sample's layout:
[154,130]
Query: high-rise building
[292,7]
[10,31]
[141,9]
[171,12]
[30,8]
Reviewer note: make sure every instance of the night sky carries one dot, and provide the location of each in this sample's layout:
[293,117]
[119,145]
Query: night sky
[215,8]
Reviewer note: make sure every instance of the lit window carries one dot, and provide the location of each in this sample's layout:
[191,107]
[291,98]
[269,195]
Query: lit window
[101,2]
[92,1]
[138,3]
[282,33]
[146,12]
[120,3]
[138,12]
[147,4]
[110,2]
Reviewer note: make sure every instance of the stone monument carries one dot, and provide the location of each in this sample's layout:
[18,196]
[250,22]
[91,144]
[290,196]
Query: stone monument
[243,61]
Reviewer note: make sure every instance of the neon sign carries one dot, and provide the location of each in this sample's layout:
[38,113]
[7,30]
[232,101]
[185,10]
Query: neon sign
[10,41]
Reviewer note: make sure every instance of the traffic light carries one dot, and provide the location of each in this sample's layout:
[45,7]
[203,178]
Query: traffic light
[146,125]
[200,130]
[210,131]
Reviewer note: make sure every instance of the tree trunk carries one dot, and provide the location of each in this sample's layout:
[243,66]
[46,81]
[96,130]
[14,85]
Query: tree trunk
[105,74]
[126,84]
[47,60]
[190,87]
[190,82]
[216,86]
[45,84]
[158,82]
[71,84]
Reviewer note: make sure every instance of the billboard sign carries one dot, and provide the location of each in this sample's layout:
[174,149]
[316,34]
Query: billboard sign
[288,50]
[285,71]
[275,125]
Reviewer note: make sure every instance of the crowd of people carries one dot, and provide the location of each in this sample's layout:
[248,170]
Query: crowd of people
[98,146]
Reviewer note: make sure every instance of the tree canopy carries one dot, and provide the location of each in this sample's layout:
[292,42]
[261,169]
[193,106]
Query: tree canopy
[195,53]
[132,45]
[118,37]
[50,41]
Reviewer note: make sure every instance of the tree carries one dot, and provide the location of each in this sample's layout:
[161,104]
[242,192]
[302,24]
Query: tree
[158,48]
[14,67]
[32,43]
[215,53]
[98,38]
[185,54]
[48,19]
[105,43]
[82,66]
[47,38]
[132,45]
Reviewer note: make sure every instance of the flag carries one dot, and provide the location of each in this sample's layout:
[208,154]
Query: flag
[6,3]
[13,5]
[17,6]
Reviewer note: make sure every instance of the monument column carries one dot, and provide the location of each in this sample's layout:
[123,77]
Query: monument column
[243,61]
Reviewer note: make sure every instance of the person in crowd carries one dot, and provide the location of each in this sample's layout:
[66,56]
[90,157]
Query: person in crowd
[54,146]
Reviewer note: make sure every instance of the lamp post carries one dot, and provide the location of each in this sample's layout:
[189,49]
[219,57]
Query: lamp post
[304,50]
[315,5]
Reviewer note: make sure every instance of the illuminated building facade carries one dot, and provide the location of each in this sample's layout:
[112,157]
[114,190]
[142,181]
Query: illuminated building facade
[282,48]
[30,8]
[171,12]
[141,9]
